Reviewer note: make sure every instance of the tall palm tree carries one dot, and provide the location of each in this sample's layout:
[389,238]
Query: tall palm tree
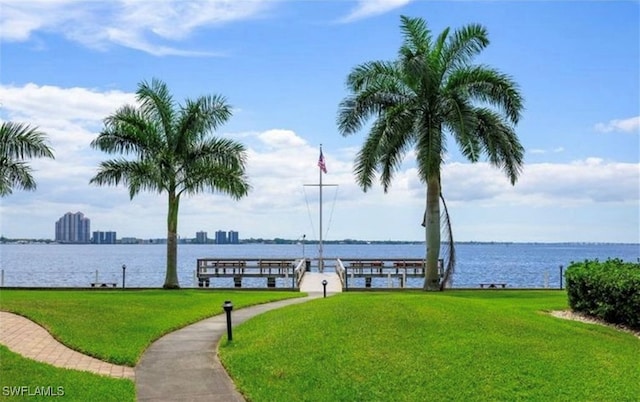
[173,152]
[430,91]
[19,142]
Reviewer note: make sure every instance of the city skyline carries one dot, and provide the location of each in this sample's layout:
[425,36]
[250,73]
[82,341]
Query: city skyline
[282,65]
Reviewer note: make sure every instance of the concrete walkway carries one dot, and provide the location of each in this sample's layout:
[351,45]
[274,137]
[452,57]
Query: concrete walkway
[27,338]
[181,366]
[184,366]
[312,282]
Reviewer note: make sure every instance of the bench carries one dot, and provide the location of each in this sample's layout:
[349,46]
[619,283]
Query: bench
[103,284]
[493,285]
[359,266]
[281,264]
[216,265]
[366,264]
[417,264]
[229,264]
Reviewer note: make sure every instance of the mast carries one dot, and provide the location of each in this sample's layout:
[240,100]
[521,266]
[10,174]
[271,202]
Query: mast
[321,164]
[322,168]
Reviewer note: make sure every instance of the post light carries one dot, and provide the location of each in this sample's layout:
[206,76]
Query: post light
[228,306]
[124,267]
[561,273]
[324,287]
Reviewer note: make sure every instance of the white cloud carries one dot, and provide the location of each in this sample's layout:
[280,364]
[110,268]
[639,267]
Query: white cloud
[540,151]
[630,125]
[280,162]
[581,182]
[140,25]
[370,8]
[281,139]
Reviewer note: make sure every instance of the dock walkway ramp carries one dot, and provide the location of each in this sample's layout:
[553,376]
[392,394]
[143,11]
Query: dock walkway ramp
[312,282]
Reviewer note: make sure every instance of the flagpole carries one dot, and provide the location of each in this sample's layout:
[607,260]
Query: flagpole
[320,260]
[322,168]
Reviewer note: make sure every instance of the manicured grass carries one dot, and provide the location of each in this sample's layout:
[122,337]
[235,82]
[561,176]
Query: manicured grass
[22,379]
[457,345]
[117,326]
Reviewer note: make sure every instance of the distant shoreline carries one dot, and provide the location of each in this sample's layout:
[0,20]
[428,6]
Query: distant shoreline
[278,241]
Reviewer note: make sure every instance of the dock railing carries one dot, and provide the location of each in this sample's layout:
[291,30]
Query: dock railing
[385,267]
[299,270]
[340,271]
[239,268]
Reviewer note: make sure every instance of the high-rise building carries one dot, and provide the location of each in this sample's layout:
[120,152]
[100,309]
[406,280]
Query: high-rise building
[201,237]
[233,237]
[221,237]
[73,228]
[110,237]
[103,237]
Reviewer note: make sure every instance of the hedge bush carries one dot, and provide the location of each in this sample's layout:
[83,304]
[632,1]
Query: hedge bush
[608,290]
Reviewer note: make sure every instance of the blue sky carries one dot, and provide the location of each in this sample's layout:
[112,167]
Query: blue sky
[66,65]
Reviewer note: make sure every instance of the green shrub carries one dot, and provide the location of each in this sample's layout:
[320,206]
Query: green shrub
[608,290]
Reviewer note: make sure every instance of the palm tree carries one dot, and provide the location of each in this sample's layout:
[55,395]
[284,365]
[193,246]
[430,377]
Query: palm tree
[173,153]
[19,142]
[430,91]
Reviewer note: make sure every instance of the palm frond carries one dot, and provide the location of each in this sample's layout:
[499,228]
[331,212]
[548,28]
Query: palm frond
[460,121]
[417,37]
[157,105]
[489,86]
[205,176]
[136,175]
[14,174]
[399,134]
[450,250]
[128,131]
[462,46]
[201,116]
[22,141]
[371,73]
[223,153]
[500,143]
[366,162]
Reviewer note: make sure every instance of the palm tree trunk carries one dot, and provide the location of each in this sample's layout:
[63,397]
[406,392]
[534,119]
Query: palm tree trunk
[432,233]
[171,278]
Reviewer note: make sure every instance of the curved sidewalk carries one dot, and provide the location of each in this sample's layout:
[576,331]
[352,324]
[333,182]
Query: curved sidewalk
[183,365]
[28,339]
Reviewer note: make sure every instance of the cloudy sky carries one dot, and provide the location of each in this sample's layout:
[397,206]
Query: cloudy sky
[66,65]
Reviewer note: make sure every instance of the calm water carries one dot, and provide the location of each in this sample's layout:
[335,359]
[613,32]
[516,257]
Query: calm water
[518,265]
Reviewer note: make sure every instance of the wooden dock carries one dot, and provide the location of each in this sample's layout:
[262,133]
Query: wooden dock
[292,270]
[208,269]
[369,268]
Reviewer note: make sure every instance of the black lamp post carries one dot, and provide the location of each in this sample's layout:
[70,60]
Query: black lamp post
[228,306]
[324,287]
[124,267]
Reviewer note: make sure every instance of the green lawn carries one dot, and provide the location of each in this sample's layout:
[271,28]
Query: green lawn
[23,379]
[112,325]
[457,345]
[377,346]
[117,326]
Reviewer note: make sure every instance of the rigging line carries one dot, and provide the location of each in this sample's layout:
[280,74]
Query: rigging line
[306,199]
[335,196]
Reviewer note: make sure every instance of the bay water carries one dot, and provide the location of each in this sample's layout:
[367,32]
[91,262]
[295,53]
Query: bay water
[519,265]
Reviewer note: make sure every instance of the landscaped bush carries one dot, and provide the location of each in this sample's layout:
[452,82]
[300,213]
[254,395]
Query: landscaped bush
[608,290]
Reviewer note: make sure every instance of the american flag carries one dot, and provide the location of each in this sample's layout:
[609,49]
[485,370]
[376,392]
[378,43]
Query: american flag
[321,163]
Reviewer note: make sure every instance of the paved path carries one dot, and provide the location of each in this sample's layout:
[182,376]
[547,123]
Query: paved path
[27,338]
[181,366]
[312,282]
[184,366]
